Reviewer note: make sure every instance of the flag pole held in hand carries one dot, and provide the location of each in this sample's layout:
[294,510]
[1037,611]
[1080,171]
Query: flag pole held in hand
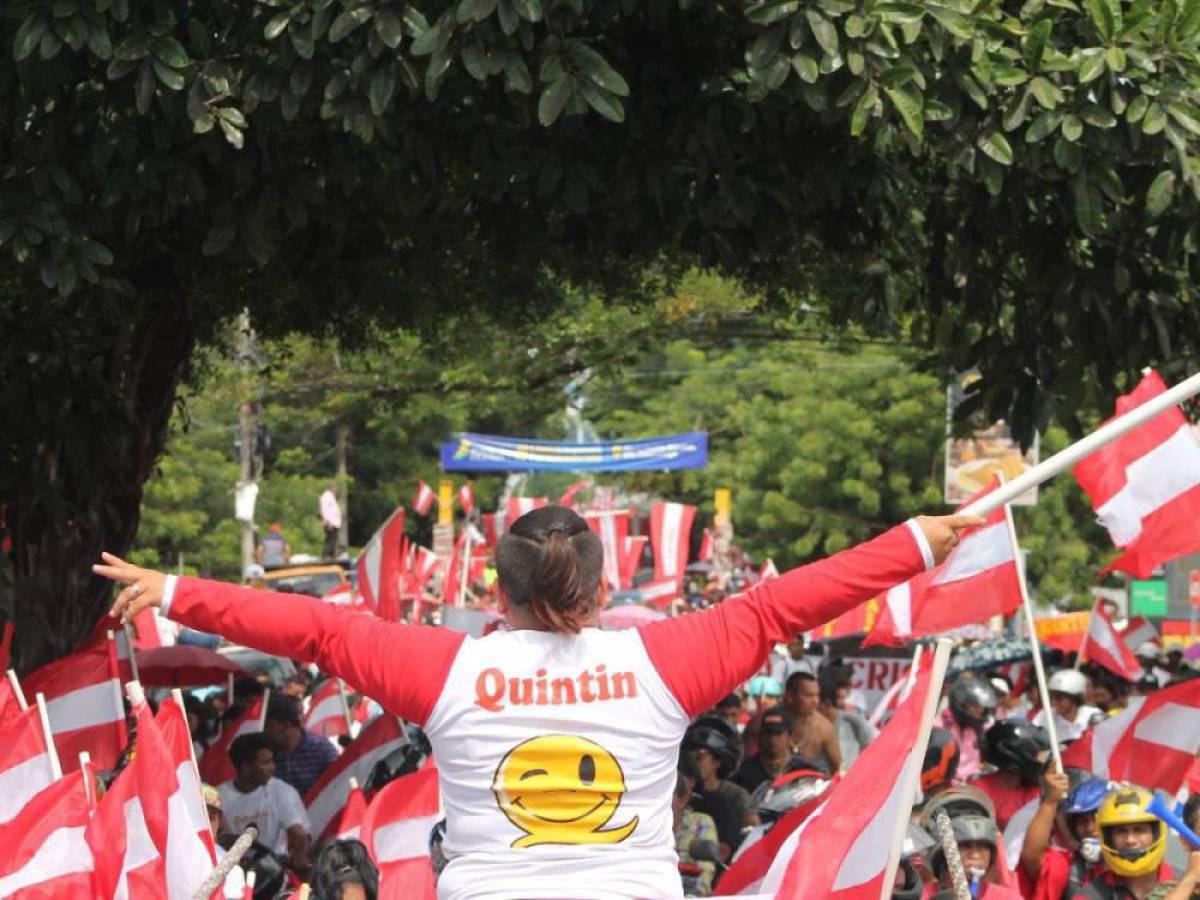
[1064,459]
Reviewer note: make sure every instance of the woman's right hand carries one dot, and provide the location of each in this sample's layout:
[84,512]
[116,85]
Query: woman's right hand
[143,587]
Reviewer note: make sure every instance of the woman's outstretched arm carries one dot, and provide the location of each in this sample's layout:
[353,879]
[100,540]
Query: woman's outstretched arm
[705,655]
[403,667]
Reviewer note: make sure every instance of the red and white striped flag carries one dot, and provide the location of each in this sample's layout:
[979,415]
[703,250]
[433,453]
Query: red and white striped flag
[396,831]
[846,843]
[707,546]
[670,536]
[43,852]
[660,593]
[1153,742]
[425,563]
[1145,486]
[493,527]
[380,567]
[12,698]
[612,527]
[518,506]
[568,496]
[216,767]
[328,714]
[26,764]
[327,798]
[189,853]
[1137,631]
[1103,646]
[466,498]
[631,558]
[977,580]
[452,583]
[423,501]
[83,702]
[349,825]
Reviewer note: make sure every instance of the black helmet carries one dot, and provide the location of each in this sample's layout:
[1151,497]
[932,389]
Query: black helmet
[968,689]
[909,885]
[941,759]
[775,799]
[965,828]
[720,738]
[1015,745]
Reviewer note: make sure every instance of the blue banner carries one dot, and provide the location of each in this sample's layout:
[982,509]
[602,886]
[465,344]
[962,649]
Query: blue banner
[491,453]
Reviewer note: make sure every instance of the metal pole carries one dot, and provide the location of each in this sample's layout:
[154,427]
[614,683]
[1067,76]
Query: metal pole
[958,877]
[1064,459]
[217,877]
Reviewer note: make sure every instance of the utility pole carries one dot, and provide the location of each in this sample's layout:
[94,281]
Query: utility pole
[342,442]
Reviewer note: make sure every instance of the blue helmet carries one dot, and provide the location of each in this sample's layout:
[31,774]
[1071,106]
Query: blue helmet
[1086,797]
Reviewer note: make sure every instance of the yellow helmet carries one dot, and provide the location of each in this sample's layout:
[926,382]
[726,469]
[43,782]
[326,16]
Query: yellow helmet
[1129,805]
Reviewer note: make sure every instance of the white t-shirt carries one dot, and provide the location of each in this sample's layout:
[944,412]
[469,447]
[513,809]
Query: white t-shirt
[273,809]
[1069,731]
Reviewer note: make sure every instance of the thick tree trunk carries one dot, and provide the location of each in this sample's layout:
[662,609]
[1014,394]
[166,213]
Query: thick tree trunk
[99,414]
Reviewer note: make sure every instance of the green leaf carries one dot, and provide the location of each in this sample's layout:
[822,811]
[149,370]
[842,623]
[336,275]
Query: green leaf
[135,46]
[517,75]
[936,111]
[1155,119]
[144,89]
[473,61]
[389,26]
[1072,128]
[954,22]
[1136,109]
[1009,76]
[806,68]
[855,26]
[554,99]
[1186,115]
[474,10]
[909,102]
[98,42]
[996,146]
[29,35]
[168,76]
[1089,208]
[219,239]
[972,89]
[823,30]
[772,11]
[233,134]
[1115,58]
[603,102]
[171,52]
[277,26]
[381,88]
[1160,193]
[1046,92]
[764,48]
[1097,115]
[348,21]
[529,10]
[899,13]
[1092,67]
[427,41]
[1106,15]
[1033,45]
[1043,125]
[862,110]
[598,70]
[897,76]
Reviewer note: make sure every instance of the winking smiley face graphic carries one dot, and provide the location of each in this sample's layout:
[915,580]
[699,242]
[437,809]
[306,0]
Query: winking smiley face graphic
[561,789]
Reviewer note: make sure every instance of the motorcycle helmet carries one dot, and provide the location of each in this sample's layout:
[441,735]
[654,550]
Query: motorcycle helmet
[1069,682]
[967,690]
[966,829]
[1085,797]
[775,799]
[437,858]
[1129,805]
[961,800]
[909,885]
[1017,746]
[941,759]
[720,738]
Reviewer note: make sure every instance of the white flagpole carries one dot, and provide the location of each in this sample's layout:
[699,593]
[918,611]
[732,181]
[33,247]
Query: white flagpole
[177,696]
[55,766]
[1064,459]
[89,780]
[346,707]
[1038,668]
[17,692]
[461,599]
[911,774]
[262,719]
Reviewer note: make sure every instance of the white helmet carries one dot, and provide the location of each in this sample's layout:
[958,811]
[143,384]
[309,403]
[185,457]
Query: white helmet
[1147,650]
[1068,681]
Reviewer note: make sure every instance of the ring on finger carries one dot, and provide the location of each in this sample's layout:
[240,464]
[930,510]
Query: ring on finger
[134,590]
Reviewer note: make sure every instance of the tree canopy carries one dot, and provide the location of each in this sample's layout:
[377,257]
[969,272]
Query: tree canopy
[1012,188]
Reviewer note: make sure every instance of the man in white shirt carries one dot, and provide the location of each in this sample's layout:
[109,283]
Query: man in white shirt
[331,520]
[255,797]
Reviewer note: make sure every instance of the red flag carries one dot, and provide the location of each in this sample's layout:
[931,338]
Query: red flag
[349,825]
[328,711]
[707,546]
[396,831]
[189,853]
[1138,631]
[747,873]
[45,856]
[978,580]
[568,496]
[452,583]
[670,535]
[631,558]
[1145,486]
[145,629]
[1153,742]
[1103,646]
[327,798]
[660,593]
[12,700]
[846,843]
[84,705]
[26,766]
[612,527]
[216,767]
[518,506]
[379,568]
[423,501]
[466,498]
[493,527]
[425,564]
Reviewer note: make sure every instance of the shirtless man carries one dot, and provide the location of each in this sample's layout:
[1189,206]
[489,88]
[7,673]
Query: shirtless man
[812,734]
